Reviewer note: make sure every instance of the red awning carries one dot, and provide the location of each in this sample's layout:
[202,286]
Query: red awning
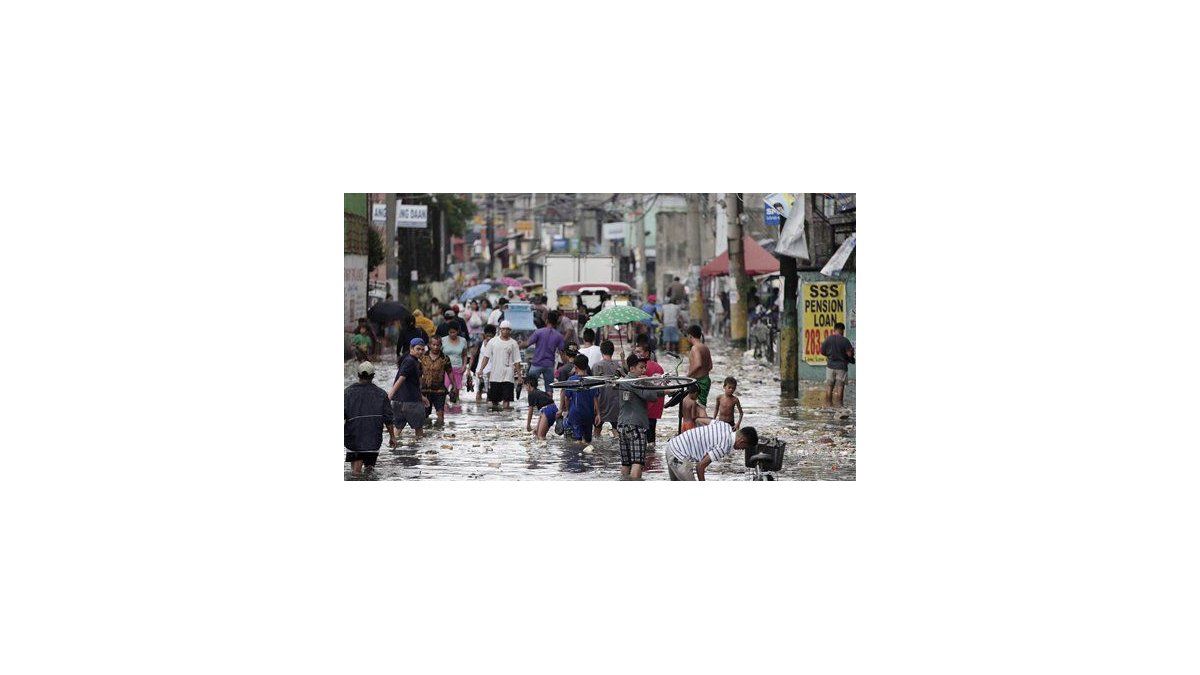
[758,261]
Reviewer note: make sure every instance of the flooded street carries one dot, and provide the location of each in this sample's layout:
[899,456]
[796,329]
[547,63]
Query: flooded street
[476,444]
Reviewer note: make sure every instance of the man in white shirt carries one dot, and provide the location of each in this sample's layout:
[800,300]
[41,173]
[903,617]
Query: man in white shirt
[590,349]
[498,313]
[690,453]
[503,355]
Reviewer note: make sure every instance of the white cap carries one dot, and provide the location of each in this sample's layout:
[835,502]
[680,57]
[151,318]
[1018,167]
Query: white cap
[366,368]
[505,324]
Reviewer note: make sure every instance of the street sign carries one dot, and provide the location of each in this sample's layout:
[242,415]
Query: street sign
[613,231]
[379,213]
[414,216]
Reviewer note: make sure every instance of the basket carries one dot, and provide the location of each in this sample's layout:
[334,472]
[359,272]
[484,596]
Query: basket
[772,448]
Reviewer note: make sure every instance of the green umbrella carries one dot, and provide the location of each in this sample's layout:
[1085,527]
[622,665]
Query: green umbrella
[615,316]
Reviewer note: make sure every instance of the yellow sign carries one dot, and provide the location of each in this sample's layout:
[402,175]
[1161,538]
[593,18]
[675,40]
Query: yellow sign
[524,226]
[823,305]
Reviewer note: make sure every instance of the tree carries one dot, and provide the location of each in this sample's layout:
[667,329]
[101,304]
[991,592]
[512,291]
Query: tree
[374,248]
[459,211]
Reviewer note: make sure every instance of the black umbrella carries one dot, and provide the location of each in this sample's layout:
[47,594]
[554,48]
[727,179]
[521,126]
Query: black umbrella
[387,312]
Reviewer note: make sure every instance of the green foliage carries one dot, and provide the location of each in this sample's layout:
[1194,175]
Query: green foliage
[374,248]
[459,212]
[356,203]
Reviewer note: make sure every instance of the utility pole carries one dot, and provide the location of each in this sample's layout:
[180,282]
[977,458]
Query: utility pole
[789,336]
[696,303]
[441,266]
[639,254]
[491,235]
[393,270]
[739,295]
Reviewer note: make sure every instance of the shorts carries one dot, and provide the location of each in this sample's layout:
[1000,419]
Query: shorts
[550,412]
[500,391]
[632,440]
[436,401]
[836,376]
[367,458]
[704,383]
[581,429]
[678,469]
[670,334]
[408,412]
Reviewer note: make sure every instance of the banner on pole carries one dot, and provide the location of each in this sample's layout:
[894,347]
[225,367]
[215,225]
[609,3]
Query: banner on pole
[823,305]
[838,261]
[793,242]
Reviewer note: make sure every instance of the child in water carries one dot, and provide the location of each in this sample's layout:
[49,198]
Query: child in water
[543,403]
[727,402]
[692,410]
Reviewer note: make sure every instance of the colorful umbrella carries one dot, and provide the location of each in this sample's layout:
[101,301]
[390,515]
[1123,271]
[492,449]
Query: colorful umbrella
[615,316]
[509,281]
[474,292]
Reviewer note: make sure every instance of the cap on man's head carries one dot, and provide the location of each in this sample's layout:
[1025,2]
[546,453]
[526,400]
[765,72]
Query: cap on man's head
[652,297]
[366,368]
[448,313]
[416,342]
[571,349]
[506,324]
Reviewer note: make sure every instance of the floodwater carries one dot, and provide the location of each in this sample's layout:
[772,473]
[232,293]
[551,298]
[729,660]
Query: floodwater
[476,444]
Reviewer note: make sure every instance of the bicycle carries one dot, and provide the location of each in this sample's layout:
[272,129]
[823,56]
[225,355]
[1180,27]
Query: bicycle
[662,382]
[765,457]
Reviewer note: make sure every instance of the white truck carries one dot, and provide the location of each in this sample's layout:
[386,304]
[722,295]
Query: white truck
[565,268]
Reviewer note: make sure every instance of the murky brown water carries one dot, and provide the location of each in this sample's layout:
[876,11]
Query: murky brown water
[476,444]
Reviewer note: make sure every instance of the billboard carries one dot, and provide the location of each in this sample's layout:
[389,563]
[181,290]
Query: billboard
[414,216]
[823,305]
[775,205]
[355,290]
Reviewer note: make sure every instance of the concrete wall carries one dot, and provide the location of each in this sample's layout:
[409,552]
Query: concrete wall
[817,373]
[671,250]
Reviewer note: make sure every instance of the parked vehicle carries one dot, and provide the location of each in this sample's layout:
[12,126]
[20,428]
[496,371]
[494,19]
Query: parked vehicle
[594,296]
[564,269]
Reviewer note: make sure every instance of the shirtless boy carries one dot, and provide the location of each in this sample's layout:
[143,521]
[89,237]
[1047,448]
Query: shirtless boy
[692,410]
[727,402]
[699,363]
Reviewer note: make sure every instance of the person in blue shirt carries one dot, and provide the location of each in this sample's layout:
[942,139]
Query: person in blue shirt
[582,408]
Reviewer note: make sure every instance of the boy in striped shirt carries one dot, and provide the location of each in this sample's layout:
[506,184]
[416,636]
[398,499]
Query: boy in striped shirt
[694,450]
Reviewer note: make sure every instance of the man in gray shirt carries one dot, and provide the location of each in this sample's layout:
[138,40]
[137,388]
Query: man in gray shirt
[839,354]
[609,399]
[633,420]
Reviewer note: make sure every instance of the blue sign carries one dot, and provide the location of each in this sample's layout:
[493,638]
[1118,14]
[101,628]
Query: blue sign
[558,244]
[771,216]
